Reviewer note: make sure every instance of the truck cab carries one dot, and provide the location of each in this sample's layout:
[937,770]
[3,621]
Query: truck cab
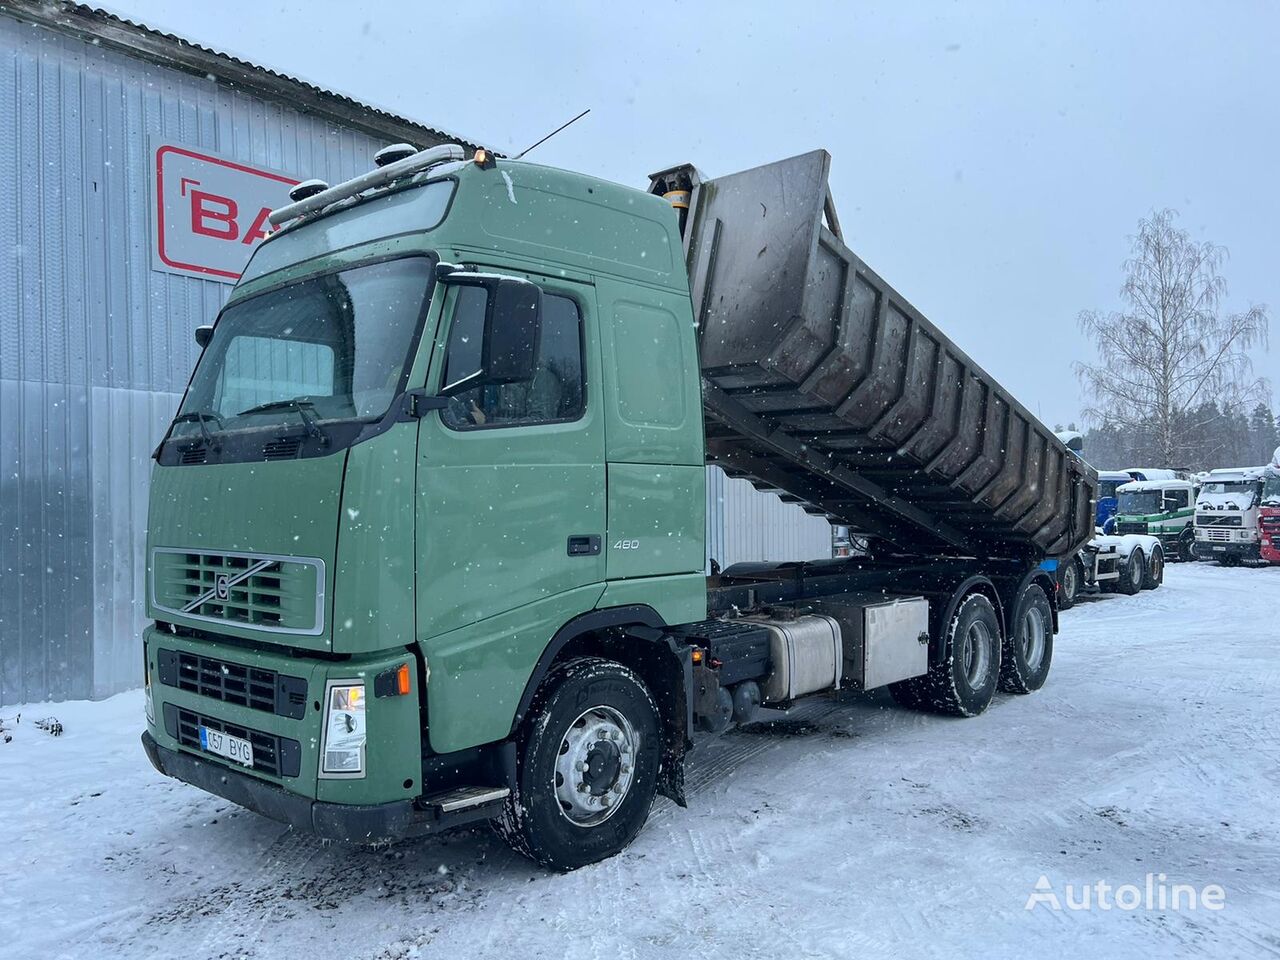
[1164,509]
[1228,506]
[1269,511]
[1109,481]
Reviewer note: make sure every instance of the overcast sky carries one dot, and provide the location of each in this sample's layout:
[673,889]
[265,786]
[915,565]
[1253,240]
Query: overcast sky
[990,160]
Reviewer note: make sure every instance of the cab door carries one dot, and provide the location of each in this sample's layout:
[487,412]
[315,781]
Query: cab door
[510,500]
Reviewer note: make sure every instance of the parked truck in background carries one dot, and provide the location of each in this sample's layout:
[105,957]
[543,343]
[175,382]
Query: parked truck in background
[1228,527]
[1269,511]
[1164,509]
[1109,481]
[426,539]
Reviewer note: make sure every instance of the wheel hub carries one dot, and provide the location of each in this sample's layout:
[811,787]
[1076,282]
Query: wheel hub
[976,653]
[595,766]
[1033,634]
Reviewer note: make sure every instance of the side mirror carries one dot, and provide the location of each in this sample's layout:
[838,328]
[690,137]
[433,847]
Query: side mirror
[204,333]
[512,331]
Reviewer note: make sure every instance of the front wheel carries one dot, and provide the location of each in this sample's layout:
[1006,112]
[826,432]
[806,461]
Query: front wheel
[1187,546]
[588,766]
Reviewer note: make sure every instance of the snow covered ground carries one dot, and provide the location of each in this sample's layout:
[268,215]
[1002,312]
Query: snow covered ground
[848,829]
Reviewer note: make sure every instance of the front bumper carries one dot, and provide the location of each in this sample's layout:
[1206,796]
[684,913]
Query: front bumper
[333,821]
[1208,549]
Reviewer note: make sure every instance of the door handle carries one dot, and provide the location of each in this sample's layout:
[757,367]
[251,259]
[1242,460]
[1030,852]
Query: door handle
[584,545]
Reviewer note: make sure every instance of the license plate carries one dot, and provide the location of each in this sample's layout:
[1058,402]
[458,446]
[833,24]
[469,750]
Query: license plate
[1220,549]
[233,748]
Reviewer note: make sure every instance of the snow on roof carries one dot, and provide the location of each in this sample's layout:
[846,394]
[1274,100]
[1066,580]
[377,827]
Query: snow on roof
[1114,475]
[1153,473]
[1136,486]
[167,49]
[1228,474]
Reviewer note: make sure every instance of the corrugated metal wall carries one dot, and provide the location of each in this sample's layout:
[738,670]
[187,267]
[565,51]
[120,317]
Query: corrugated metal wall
[745,524]
[95,346]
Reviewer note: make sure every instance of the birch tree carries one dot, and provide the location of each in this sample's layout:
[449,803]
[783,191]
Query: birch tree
[1172,348]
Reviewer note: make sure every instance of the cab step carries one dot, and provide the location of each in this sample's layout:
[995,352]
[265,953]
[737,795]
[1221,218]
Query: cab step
[465,798]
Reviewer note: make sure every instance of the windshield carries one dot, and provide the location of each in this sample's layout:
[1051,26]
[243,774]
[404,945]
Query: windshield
[1243,489]
[331,347]
[1107,488]
[1140,502]
[1271,490]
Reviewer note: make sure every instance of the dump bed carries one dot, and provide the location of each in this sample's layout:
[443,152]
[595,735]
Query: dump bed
[821,382]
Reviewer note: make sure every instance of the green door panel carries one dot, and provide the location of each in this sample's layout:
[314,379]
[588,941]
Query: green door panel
[677,599]
[657,520]
[286,508]
[373,589]
[496,507]
[477,674]
[652,389]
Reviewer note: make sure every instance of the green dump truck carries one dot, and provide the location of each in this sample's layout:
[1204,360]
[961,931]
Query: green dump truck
[426,536]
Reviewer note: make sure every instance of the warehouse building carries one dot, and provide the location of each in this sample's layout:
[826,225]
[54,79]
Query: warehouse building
[135,172]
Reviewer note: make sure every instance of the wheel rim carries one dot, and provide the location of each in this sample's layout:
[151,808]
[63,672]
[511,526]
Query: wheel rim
[1069,581]
[1033,634]
[596,766]
[1157,568]
[976,653]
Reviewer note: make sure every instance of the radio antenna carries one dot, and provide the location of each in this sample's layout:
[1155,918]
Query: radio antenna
[552,134]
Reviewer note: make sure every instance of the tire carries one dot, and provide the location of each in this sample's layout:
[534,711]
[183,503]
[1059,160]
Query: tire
[964,683]
[1153,576]
[1132,573]
[593,712]
[1028,650]
[1070,580]
[1187,546]
[1229,560]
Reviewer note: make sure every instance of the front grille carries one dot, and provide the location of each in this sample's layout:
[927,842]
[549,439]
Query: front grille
[251,687]
[1220,536]
[1209,520]
[275,594]
[1131,527]
[272,755]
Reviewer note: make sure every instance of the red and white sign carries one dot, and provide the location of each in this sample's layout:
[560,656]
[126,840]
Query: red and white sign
[210,212]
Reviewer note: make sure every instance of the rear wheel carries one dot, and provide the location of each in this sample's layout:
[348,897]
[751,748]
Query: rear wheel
[1028,651]
[1132,572]
[1070,579]
[964,683]
[1154,575]
[588,766]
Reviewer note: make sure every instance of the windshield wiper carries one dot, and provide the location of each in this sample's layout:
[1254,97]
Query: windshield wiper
[200,417]
[306,410]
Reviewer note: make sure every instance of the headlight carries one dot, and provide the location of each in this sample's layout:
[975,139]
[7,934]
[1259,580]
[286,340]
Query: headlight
[148,706]
[344,731]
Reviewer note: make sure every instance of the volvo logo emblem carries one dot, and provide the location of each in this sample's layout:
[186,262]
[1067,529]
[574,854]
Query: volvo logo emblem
[221,587]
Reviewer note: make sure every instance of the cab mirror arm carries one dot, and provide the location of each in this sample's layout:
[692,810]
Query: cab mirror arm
[418,403]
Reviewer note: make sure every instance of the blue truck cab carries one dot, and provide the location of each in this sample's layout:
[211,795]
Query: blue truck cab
[1108,481]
